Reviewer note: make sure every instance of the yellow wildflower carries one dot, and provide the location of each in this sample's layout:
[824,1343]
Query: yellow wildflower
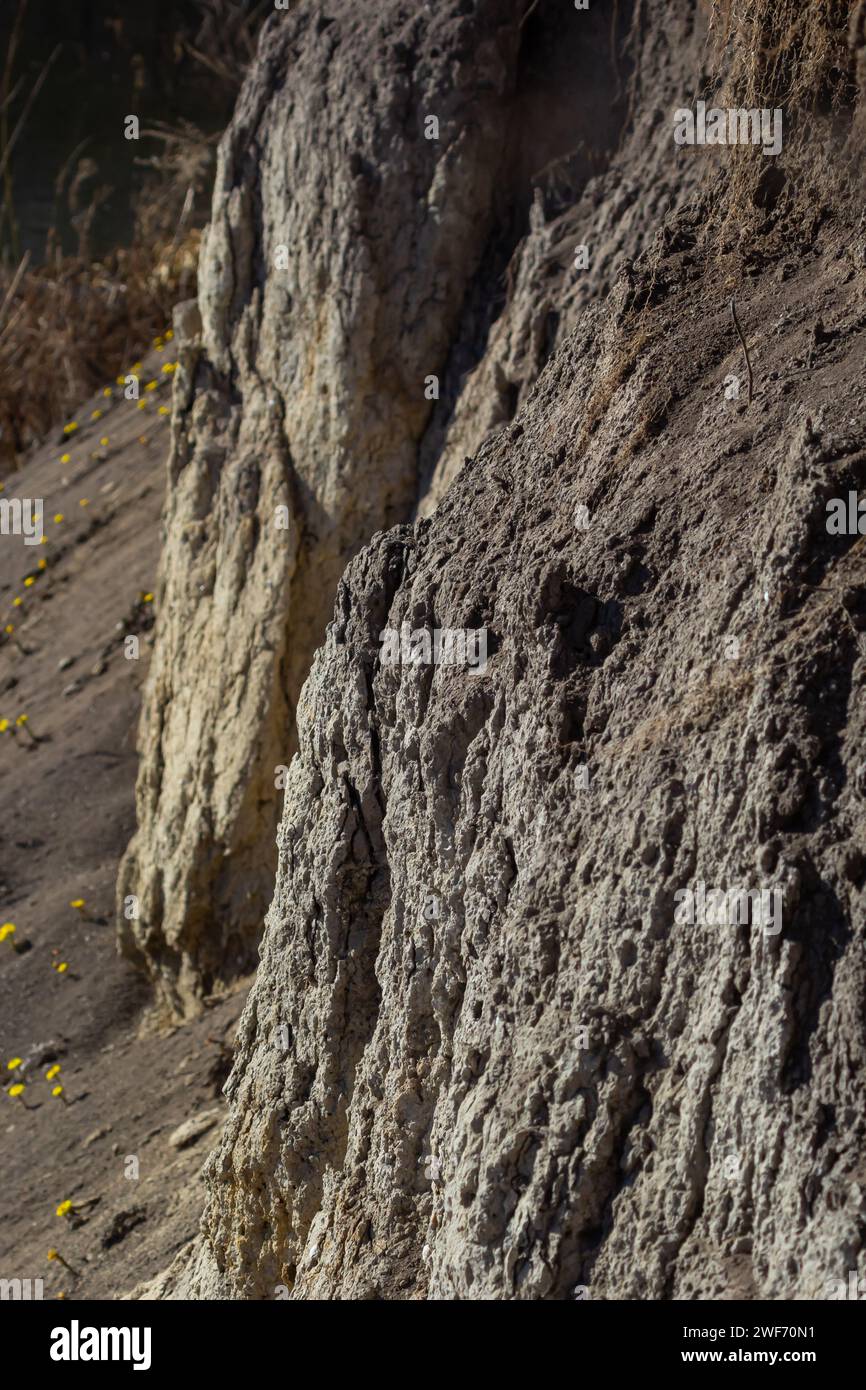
[56,1255]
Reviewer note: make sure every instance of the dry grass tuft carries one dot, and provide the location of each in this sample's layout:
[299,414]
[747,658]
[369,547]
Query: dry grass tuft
[226,41]
[789,53]
[629,348]
[71,325]
[794,55]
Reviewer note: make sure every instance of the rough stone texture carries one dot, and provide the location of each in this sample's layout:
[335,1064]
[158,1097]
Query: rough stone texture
[192,1129]
[610,203]
[304,389]
[306,386]
[481,1059]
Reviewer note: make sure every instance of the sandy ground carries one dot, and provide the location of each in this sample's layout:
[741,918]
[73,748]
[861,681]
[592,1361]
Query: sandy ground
[67,812]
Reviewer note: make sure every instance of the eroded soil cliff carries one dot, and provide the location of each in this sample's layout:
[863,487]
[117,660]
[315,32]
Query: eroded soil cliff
[482,1057]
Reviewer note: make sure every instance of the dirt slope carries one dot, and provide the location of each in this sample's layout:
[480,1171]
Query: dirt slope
[67,814]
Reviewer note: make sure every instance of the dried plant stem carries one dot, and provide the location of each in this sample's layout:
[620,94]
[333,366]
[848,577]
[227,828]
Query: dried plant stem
[745,349]
[8,212]
[528,13]
[10,293]
[8,146]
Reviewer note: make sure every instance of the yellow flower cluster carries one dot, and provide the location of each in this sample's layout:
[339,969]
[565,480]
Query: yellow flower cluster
[21,722]
[16,1091]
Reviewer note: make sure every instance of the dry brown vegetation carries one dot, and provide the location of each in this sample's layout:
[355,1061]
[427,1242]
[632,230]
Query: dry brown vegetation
[800,58]
[71,321]
[784,52]
[71,325]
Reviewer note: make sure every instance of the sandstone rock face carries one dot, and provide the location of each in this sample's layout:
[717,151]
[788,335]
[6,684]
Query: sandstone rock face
[349,262]
[332,277]
[562,986]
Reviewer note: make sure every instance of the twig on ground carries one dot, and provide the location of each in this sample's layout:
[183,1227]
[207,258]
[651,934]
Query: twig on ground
[745,349]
